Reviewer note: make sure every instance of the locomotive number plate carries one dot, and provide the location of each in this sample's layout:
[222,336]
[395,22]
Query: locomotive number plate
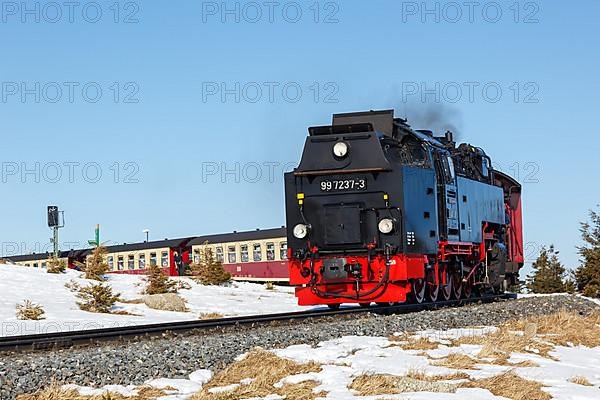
[341,185]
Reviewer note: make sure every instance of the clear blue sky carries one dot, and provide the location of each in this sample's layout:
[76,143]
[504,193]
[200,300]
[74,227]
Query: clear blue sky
[168,124]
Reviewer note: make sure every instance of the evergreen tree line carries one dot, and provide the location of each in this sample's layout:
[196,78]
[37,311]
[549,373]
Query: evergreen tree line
[550,275]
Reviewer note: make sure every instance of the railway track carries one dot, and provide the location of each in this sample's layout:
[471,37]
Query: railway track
[58,340]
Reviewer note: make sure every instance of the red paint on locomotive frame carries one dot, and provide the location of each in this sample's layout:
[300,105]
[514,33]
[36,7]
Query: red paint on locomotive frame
[403,268]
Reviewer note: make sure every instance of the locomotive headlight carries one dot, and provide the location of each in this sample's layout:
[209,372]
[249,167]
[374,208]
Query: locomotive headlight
[340,149]
[386,225]
[300,231]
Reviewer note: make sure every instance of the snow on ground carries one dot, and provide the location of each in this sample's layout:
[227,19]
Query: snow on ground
[346,358]
[18,283]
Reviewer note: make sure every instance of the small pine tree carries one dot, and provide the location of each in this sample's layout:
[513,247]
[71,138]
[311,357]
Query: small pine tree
[548,273]
[96,265]
[208,270]
[588,274]
[30,311]
[56,265]
[158,281]
[98,298]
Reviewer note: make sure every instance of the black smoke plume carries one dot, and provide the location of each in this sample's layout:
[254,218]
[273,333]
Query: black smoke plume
[436,117]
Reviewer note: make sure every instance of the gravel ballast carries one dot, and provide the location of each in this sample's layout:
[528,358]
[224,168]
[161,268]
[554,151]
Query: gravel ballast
[178,356]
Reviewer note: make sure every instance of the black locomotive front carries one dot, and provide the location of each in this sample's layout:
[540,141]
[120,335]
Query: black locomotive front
[338,198]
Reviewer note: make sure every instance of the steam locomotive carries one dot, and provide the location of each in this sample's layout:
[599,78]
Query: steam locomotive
[379,212]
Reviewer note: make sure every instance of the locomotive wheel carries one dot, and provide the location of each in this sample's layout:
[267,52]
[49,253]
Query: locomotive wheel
[364,305]
[457,286]
[432,290]
[446,290]
[418,288]
[334,306]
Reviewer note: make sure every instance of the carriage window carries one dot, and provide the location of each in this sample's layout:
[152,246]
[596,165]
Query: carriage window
[44,264]
[142,261]
[120,263]
[283,250]
[244,253]
[35,265]
[270,251]
[197,256]
[152,259]
[130,261]
[164,259]
[111,262]
[219,255]
[231,254]
[257,252]
[27,265]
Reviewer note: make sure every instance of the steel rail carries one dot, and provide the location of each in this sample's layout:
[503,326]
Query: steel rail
[68,339]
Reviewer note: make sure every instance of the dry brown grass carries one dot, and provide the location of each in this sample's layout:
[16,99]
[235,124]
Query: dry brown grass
[407,341]
[422,376]
[374,385]
[264,369]
[580,380]
[56,392]
[301,391]
[505,341]
[511,386]
[382,384]
[30,311]
[537,335]
[503,360]
[212,315]
[564,328]
[457,361]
